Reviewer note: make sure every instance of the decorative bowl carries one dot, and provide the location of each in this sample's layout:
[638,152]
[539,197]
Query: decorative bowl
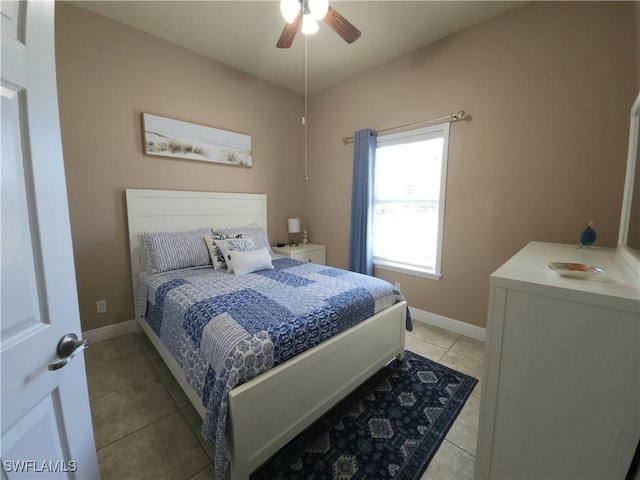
[574,270]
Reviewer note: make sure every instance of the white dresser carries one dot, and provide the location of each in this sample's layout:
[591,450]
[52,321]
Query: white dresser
[561,382]
[308,252]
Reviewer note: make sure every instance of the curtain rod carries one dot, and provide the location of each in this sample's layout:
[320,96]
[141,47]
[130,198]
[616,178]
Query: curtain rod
[453,117]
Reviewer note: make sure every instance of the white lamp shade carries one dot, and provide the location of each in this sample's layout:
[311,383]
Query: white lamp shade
[309,24]
[289,9]
[293,225]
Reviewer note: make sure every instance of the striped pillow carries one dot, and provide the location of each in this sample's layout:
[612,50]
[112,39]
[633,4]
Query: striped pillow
[174,250]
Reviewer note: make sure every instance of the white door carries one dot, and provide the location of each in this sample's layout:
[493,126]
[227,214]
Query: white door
[46,421]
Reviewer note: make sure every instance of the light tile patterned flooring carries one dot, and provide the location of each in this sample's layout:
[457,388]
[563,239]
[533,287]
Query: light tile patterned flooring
[145,427]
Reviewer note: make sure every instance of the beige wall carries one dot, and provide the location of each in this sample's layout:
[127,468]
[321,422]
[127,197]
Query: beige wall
[548,87]
[107,75]
[636,7]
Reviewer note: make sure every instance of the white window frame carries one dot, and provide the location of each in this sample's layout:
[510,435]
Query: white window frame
[407,137]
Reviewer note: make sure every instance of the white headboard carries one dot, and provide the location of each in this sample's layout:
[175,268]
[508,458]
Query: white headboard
[181,211]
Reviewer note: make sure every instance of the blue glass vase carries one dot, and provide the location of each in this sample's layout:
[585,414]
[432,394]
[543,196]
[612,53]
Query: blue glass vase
[588,236]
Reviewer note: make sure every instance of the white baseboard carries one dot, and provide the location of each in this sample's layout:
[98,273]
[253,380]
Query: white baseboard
[450,324]
[110,331]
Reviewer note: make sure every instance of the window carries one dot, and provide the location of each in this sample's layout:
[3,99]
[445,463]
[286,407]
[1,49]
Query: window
[409,192]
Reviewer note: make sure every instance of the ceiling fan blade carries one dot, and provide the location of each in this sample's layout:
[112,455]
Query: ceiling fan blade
[341,26]
[289,33]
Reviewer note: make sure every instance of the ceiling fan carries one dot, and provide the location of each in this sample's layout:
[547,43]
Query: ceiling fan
[307,13]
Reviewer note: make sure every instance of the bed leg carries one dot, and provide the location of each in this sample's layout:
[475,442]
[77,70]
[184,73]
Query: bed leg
[403,325]
[236,472]
[227,474]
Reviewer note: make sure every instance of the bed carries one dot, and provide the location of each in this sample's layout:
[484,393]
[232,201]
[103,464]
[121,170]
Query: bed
[264,413]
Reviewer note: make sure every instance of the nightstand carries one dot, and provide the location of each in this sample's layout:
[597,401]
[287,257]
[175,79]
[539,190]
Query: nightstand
[309,252]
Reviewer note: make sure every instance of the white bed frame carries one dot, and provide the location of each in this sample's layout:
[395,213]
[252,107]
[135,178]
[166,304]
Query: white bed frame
[273,408]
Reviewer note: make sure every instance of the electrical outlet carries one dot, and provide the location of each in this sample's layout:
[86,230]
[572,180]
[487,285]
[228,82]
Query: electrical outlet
[101,306]
[397,285]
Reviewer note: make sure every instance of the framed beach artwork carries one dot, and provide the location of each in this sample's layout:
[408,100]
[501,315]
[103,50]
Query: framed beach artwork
[165,137]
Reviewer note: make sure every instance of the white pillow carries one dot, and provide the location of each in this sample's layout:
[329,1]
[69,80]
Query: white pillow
[234,245]
[242,263]
[217,257]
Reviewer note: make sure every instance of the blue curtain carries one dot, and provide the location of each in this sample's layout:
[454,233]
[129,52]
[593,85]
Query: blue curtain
[361,245]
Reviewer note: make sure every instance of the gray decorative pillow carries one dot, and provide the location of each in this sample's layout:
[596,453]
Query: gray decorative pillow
[173,250]
[234,245]
[257,234]
[217,255]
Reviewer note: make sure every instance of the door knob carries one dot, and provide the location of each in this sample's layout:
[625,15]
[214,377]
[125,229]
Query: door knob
[68,347]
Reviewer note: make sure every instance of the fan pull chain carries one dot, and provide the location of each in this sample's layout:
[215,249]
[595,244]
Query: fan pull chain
[304,117]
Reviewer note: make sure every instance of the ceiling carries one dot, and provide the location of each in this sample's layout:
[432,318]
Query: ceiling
[243,34]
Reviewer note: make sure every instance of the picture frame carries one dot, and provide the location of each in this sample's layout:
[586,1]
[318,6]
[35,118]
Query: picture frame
[169,138]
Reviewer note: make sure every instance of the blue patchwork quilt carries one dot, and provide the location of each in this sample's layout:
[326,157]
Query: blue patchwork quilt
[251,323]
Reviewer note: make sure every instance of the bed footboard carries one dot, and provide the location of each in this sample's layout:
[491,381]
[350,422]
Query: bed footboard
[270,410]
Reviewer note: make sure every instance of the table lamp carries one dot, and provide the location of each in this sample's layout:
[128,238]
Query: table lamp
[293,226]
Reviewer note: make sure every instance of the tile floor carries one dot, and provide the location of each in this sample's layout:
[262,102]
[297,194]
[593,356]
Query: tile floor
[145,427]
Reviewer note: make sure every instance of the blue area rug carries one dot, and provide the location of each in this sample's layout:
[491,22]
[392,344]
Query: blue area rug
[388,428]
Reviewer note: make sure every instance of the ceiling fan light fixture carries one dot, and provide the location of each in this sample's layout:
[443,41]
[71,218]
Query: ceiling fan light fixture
[319,8]
[309,24]
[289,9]
[312,10]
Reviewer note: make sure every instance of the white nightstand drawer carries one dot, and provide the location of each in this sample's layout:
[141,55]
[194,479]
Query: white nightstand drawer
[309,252]
[316,256]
